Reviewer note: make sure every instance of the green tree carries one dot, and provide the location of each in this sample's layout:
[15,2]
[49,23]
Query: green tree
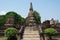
[11,33]
[2,20]
[50,32]
[38,17]
[18,18]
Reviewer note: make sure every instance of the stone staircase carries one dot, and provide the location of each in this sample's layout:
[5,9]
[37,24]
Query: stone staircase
[30,34]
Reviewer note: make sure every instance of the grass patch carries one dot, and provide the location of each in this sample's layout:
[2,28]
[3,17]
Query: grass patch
[3,38]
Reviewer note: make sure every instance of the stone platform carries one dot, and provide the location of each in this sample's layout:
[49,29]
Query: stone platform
[30,34]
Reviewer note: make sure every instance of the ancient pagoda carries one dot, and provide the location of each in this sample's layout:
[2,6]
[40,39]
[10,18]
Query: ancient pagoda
[30,20]
[31,31]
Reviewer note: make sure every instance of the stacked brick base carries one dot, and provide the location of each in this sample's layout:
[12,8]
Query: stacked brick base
[30,34]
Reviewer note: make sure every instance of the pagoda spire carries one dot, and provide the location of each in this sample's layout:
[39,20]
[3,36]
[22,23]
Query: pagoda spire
[31,7]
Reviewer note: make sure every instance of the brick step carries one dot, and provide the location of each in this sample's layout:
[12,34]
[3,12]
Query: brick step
[28,28]
[31,32]
[36,33]
[31,39]
[31,35]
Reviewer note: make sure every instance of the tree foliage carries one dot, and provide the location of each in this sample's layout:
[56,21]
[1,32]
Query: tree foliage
[18,18]
[2,20]
[47,22]
[10,32]
[38,18]
[50,31]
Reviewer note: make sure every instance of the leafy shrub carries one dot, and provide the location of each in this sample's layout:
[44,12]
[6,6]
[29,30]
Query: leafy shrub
[11,33]
[38,17]
[50,31]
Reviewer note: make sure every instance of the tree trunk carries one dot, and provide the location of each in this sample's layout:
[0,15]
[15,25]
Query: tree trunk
[50,38]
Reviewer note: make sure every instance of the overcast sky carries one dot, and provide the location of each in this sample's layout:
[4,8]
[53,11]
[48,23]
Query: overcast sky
[47,8]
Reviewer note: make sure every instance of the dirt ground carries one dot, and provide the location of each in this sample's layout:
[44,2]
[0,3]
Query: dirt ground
[3,38]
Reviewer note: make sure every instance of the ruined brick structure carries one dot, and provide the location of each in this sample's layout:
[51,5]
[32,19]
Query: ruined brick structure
[11,22]
[31,31]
